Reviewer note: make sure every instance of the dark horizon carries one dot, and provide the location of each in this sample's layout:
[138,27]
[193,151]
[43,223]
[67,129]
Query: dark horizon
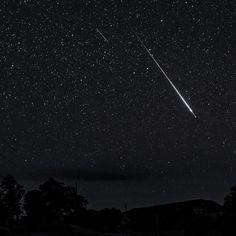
[56,207]
[133,190]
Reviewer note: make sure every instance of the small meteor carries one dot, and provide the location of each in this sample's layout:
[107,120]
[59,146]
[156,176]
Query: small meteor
[102,35]
[166,76]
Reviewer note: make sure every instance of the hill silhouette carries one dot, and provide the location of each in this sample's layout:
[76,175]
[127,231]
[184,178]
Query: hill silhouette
[179,216]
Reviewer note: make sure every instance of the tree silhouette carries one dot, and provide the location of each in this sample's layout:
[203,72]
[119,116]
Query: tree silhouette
[228,219]
[34,209]
[52,204]
[230,200]
[2,214]
[11,194]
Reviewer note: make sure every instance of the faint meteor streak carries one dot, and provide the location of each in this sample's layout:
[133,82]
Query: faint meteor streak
[105,39]
[166,76]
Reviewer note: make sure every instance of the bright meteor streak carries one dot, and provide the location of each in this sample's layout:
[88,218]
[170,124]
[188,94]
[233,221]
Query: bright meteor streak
[166,76]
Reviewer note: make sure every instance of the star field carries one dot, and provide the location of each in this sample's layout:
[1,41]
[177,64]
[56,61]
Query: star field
[79,93]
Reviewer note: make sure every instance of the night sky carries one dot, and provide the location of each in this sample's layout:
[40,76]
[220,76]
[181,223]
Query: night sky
[82,101]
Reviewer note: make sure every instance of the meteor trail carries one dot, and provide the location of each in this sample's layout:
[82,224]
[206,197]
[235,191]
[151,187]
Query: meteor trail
[105,39]
[166,76]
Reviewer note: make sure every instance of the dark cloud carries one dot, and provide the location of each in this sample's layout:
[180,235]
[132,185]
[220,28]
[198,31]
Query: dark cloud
[79,174]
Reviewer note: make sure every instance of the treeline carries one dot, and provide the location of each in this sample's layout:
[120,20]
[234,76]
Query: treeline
[52,206]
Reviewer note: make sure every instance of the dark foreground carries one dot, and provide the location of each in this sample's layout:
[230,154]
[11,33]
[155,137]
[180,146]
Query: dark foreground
[55,209]
[189,218]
